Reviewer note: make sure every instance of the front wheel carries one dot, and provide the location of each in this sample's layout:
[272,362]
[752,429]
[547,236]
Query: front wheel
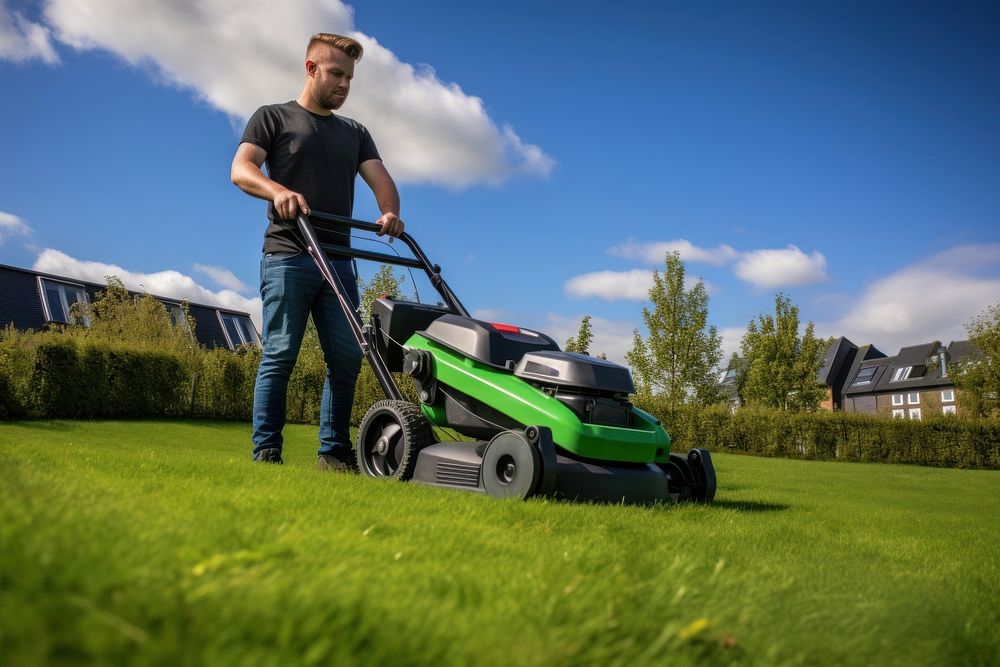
[512,466]
[692,479]
[391,435]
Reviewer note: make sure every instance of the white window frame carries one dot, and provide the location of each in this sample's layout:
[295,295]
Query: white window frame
[947,395]
[949,410]
[63,300]
[897,399]
[915,414]
[901,374]
[225,331]
[899,414]
[910,400]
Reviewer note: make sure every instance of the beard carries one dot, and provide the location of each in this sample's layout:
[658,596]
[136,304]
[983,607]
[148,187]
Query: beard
[330,100]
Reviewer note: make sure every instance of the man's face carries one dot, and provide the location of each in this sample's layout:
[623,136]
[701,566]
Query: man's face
[330,72]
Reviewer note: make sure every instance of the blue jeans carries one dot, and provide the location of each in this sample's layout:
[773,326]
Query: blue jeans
[292,288]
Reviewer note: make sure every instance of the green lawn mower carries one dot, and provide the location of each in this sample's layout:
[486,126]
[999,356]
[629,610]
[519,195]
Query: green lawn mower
[543,422]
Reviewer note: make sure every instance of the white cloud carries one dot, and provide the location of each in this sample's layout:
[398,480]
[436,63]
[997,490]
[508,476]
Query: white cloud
[611,285]
[221,276]
[766,267]
[168,283]
[238,56]
[11,225]
[731,337]
[781,267]
[930,300]
[654,252]
[22,40]
[611,337]
[632,285]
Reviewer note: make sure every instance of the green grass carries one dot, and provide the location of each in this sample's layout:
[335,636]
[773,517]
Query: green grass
[159,543]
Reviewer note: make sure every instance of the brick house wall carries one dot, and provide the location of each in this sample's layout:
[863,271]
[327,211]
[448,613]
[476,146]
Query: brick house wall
[929,402]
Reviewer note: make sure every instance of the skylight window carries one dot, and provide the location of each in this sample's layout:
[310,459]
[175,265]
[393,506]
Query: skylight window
[901,373]
[58,298]
[239,330]
[865,375]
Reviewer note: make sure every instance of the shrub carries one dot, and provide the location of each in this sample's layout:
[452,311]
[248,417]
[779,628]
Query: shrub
[72,379]
[17,361]
[942,441]
[222,387]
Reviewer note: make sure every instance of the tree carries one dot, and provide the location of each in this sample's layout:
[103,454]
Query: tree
[385,283]
[678,361]
[978,375]
[781,366]
[584,337]
[116,316]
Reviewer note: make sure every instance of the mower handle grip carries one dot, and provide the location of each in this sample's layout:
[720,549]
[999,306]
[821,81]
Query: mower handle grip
[350,222]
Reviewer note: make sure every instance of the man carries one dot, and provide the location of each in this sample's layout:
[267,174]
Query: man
[312,157]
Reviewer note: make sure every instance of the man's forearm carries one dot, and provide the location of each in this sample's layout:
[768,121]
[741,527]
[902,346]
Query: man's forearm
[382,186]
[250,179]
[388,202]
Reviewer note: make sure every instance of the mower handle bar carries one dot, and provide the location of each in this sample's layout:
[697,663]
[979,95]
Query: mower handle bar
[321,253]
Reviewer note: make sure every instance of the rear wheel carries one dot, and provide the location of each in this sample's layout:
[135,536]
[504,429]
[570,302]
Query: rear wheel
[391,435]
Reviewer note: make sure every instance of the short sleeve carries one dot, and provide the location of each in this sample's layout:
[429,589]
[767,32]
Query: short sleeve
[261,129]
[367,150]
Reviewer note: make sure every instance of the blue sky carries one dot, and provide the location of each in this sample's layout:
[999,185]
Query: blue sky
[548,153]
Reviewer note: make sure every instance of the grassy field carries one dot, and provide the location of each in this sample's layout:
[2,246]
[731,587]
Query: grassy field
[159,543]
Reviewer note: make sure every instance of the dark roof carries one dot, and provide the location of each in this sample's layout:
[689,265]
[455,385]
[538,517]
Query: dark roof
[915,355]
[20,304]
[101,286]
[924,362]
[837,356]
[867,355]
[959,349]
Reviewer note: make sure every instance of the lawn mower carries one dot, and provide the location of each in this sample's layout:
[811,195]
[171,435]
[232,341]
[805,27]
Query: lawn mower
[541,421]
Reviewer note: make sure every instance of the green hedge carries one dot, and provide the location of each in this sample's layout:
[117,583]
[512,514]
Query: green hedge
[74,380]
[942,441]
[52,375]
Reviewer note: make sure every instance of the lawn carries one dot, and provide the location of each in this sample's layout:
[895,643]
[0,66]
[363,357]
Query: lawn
[158,543]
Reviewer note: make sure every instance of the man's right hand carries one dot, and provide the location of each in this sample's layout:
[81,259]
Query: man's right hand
[288,204]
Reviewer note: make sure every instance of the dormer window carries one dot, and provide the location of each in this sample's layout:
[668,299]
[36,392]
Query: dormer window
[901,374]
[865,375]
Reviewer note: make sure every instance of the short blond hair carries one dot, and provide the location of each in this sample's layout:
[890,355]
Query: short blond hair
[349,46]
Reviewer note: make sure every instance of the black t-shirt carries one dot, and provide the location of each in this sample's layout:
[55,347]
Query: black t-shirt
[316,156]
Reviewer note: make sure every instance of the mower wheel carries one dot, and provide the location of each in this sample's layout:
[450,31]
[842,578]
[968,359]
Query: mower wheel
[391,435]
[681,485]
[511,466]
[692,479]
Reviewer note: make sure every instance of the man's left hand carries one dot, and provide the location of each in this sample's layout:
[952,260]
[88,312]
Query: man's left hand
[391,224]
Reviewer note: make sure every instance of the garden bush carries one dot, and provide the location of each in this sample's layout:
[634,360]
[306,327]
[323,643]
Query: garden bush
[942,441]
[73,379]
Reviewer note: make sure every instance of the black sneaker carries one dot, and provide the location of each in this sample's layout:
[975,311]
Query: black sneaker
[269,455]
[341,460]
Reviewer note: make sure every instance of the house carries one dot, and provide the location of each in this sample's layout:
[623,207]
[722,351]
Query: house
[840,362]
[841,358]
[729,383]
[34,300]
[913,383]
